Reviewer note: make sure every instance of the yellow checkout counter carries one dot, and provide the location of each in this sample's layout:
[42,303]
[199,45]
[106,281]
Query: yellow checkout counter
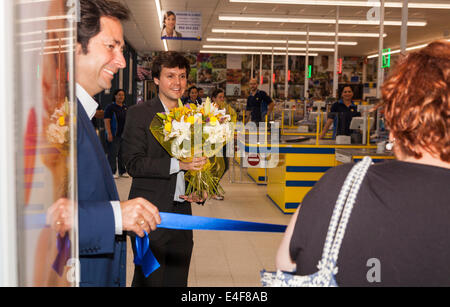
[300,165]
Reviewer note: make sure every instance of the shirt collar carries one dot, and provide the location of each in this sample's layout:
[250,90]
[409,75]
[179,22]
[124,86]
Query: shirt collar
[351,104]
[165,108]
[88,103]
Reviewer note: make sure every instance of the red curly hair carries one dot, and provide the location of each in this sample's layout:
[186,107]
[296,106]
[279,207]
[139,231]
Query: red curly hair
[416,102]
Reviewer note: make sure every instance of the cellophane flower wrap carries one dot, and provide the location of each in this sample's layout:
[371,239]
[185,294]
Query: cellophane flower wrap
[194,131]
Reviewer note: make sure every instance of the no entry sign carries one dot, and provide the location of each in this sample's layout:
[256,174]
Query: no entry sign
[253,159]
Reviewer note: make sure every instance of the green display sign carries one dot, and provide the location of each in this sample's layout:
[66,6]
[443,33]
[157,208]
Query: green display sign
[386,56]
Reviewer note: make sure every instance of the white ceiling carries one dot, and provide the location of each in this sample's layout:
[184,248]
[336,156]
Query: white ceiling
[143,30]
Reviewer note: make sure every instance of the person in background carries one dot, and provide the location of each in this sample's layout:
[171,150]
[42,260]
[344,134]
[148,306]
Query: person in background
[341,114]
[201,94]
[158,177]
[193,96]
[259,104]
[115,116]
[218,97]
[99,125]
[169,23]
[400,217]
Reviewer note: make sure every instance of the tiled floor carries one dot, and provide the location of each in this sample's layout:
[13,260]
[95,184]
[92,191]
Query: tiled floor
[224,259]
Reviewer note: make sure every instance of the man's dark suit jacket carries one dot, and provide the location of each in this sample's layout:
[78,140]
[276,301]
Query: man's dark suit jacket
[102,253]
[145,159]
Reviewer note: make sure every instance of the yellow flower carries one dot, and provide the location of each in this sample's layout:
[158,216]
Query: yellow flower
[168,126]
[191,119]
[61,121]
[213,120]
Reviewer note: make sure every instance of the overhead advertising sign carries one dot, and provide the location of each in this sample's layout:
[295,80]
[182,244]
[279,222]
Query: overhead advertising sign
[182,25]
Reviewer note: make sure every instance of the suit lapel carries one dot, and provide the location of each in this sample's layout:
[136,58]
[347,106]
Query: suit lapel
[101,158]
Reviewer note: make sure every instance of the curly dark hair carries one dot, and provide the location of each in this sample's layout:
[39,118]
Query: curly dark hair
[90,13]
[416,102]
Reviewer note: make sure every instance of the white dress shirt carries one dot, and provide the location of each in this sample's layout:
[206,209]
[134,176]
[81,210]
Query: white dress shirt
[90,106]
[180,187]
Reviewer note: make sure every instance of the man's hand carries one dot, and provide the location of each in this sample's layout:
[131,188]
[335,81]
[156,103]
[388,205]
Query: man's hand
[196,164]
[138,215]
[194,198]
[110,137]
[60,216]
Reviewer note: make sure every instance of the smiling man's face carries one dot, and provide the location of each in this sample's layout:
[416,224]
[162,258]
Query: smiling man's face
[172,83]
[95,70]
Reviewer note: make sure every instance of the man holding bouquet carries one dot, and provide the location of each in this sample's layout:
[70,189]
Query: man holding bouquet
[159,178]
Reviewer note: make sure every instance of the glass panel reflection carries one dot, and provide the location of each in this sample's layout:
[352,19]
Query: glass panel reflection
[44,89]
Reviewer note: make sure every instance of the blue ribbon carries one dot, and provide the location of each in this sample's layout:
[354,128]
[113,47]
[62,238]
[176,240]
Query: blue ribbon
[63,247]
[145,258]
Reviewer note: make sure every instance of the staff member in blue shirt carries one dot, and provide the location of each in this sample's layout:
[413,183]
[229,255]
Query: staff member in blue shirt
[258,103]
[115,115]
[341,114]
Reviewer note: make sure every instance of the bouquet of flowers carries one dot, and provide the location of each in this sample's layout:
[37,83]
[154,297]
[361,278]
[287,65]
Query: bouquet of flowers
[57,131]
[194,131]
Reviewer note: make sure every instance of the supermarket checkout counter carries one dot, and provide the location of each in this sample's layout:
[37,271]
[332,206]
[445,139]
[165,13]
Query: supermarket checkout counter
[294,165]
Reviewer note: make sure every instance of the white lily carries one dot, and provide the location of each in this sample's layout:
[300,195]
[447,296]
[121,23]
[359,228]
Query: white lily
[181,130]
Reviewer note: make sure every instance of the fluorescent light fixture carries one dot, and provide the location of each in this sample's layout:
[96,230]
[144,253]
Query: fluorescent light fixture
[289,19]
[46,31]
[276,41]
[158,10]
[46,18]
[369,3]
[43,41]
[160,18]
[298,33]
[256,52]
[398,50]
[266,48]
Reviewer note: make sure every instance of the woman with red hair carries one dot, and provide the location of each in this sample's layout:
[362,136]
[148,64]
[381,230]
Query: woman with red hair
[398,233]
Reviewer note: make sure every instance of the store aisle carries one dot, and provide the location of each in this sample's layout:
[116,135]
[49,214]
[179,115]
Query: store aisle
[227,259]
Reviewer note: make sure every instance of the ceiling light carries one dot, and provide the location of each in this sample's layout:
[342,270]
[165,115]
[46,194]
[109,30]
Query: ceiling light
[369,3]
[398,50]
[417,23]
[265,32]
[277,41]
[160,17]
[255,52]
[46,18]
[267,48]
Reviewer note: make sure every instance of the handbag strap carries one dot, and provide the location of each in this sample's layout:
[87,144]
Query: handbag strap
[341,215]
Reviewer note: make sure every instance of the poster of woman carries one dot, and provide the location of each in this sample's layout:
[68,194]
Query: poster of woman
[182,25]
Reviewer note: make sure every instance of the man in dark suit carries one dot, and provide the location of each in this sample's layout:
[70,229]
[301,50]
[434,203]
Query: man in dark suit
[102,217]
[159,178]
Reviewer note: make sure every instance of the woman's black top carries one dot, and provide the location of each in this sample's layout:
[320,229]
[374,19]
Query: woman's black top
[398,232]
